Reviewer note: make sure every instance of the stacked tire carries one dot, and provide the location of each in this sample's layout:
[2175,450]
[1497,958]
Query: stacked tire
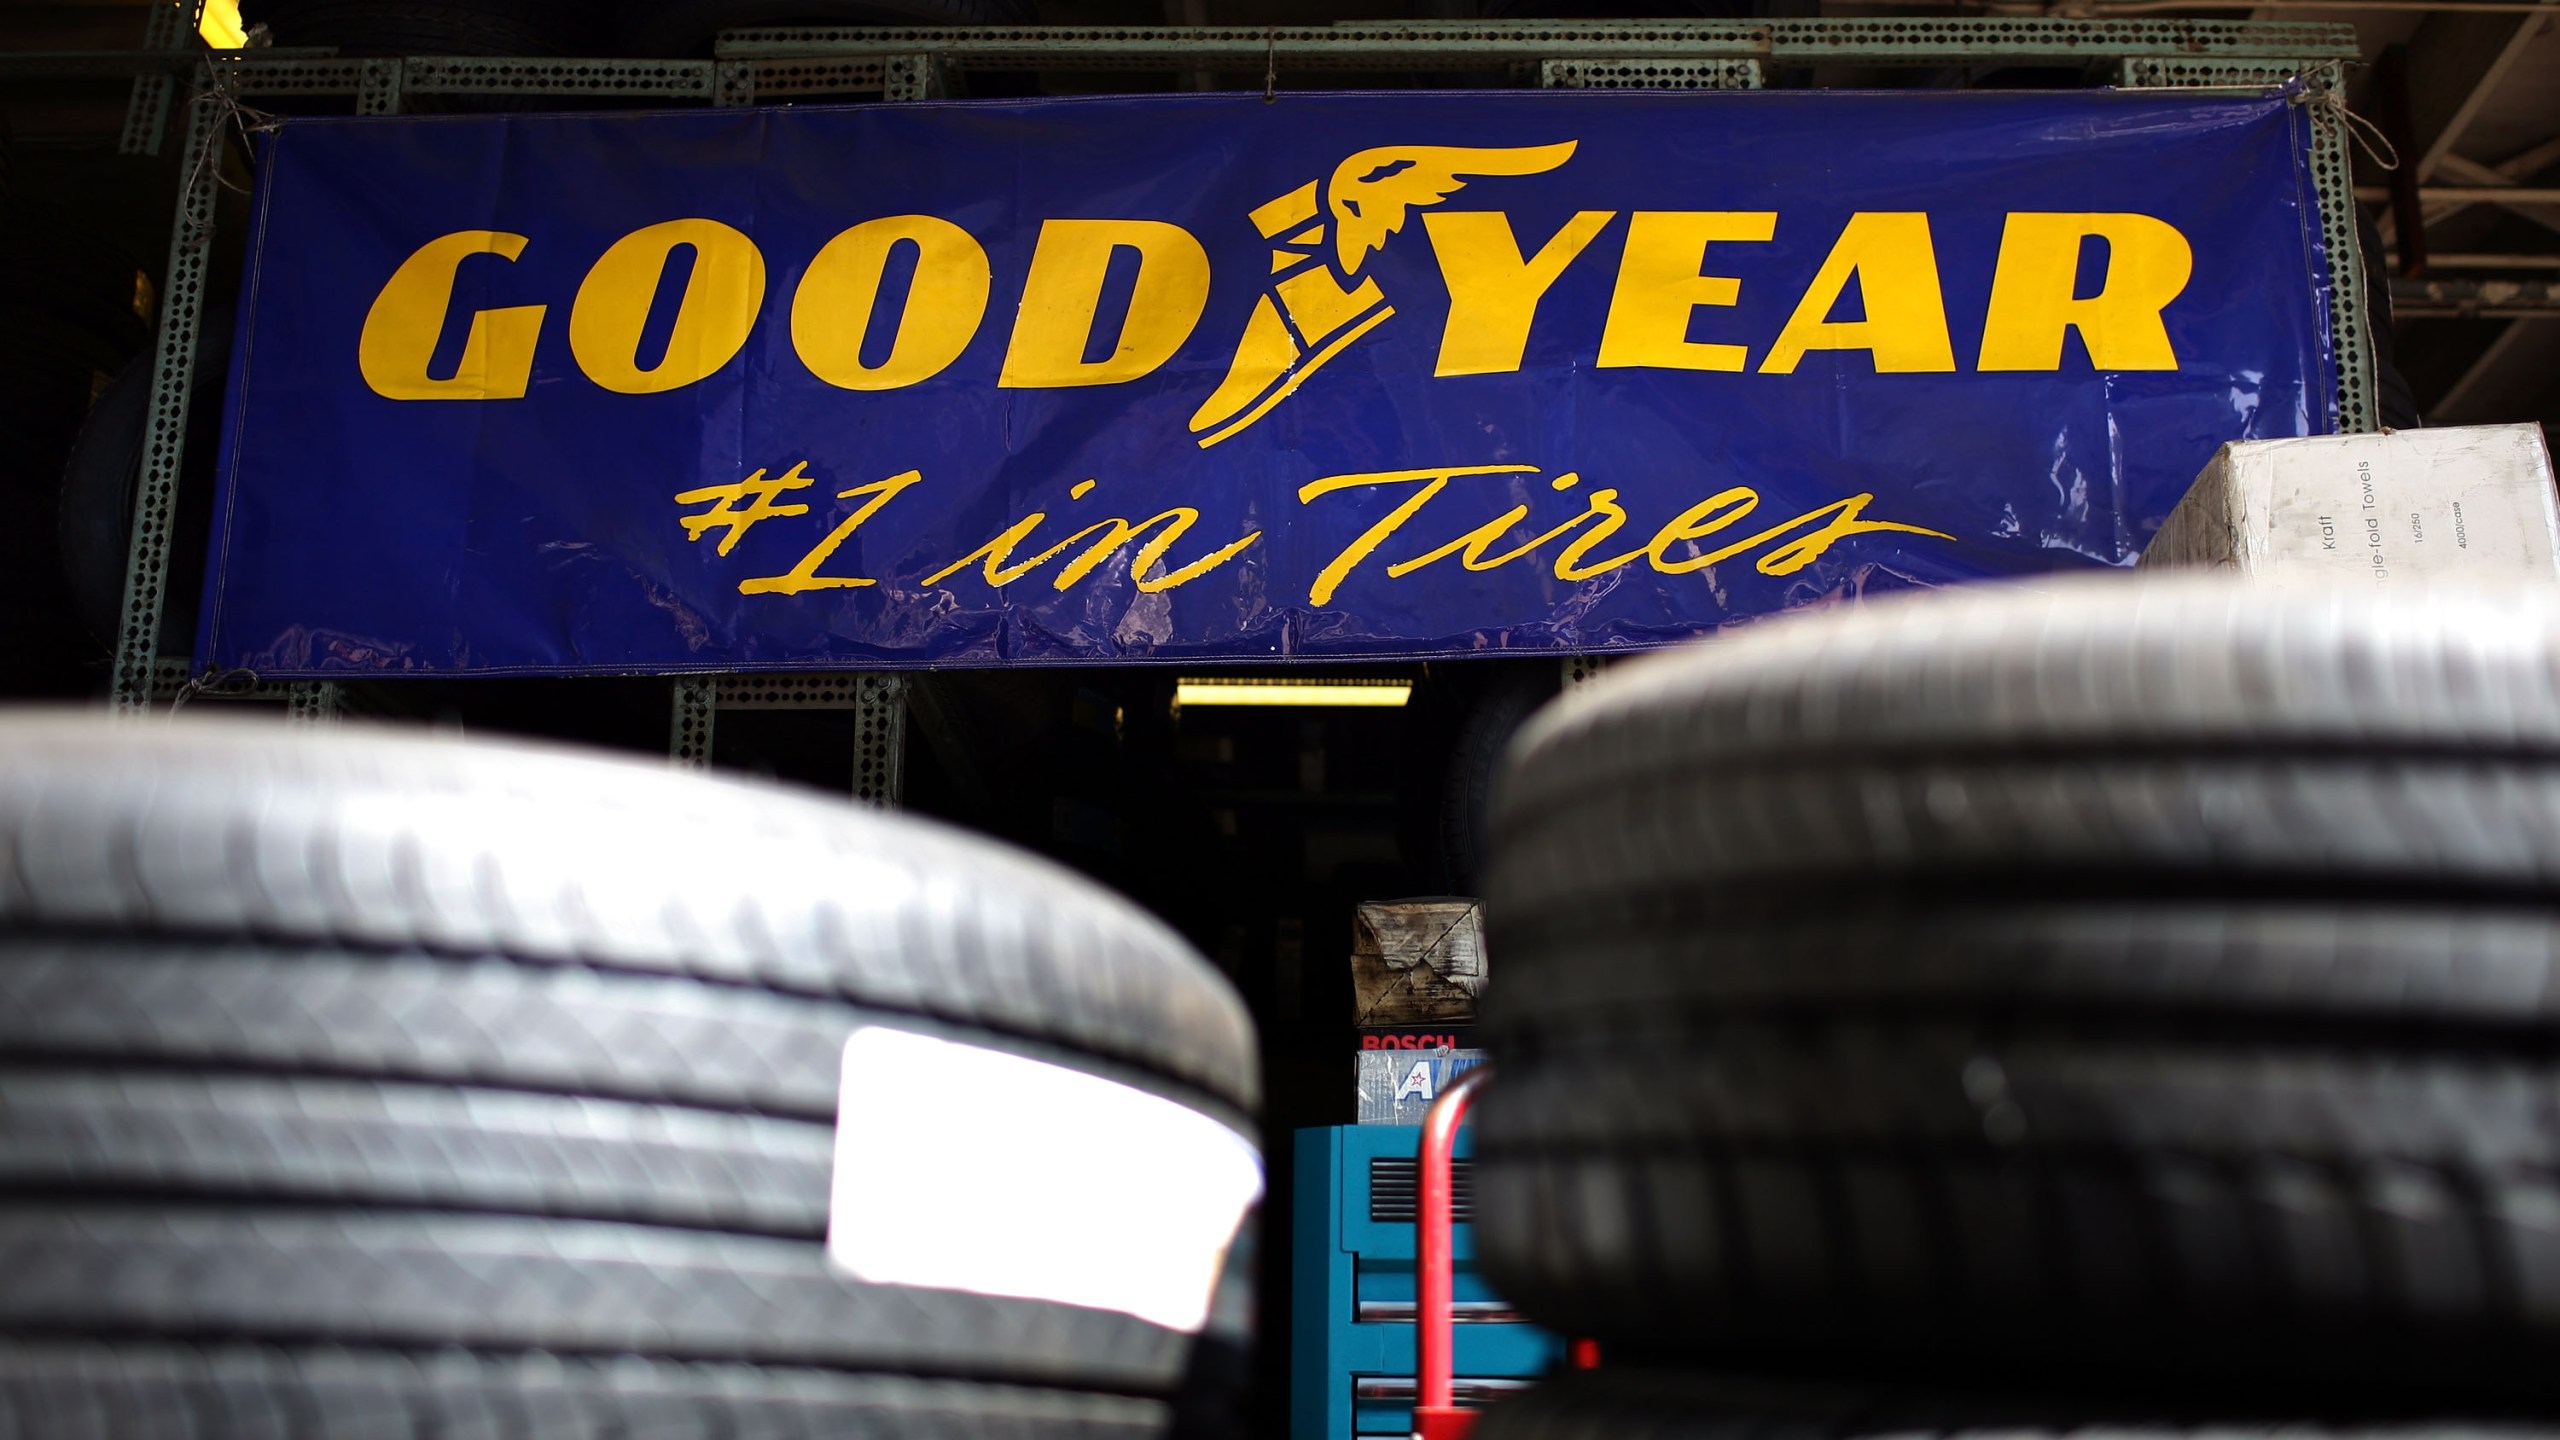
[1666,1405]
[2140,993]
[368,1084]
[70,321]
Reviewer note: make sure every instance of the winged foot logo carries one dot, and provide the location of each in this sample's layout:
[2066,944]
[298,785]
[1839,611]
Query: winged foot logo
[1319,302]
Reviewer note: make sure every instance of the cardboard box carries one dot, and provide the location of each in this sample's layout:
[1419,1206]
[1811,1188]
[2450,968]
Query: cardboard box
[2463,504]
[1416,963]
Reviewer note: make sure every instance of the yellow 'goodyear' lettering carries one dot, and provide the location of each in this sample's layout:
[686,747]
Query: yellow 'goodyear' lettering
[1670,265]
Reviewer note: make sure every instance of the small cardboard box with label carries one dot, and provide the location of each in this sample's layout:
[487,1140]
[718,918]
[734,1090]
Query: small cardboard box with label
[2461,504]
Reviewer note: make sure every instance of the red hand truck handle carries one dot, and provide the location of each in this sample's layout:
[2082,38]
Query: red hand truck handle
[1434,1417]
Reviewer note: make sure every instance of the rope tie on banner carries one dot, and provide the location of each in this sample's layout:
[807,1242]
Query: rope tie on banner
[1270,64]
[231,113]
[2329,104]
[221,684]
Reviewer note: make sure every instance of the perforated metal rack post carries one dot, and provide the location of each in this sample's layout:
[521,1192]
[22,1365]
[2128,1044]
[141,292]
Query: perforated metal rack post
[146,117]
[2332,175]
[164,433]
[878,702]
[924,63]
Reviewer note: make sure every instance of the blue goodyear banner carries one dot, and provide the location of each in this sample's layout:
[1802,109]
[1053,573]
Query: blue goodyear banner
[1205,377]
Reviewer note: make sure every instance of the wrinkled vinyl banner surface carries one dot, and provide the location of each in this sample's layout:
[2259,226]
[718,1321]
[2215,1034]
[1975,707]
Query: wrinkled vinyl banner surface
[1206,377]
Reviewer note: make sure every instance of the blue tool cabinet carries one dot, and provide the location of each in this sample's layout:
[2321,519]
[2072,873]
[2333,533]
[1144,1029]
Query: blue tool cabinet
[1351,1255]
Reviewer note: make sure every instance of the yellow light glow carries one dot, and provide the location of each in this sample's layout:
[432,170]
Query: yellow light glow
[221,26]
[1374,693]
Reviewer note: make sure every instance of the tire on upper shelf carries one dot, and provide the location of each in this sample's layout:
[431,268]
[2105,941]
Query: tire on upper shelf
[341,1049]
[1498,702]
[73,316]
[102,478]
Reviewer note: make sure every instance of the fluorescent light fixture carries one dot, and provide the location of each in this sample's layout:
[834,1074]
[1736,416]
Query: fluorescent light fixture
[1384,694]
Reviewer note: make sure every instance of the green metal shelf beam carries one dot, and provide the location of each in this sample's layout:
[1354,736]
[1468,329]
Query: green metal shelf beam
[1415,46]
[757,64]
[1428,45]
[638,79]
[37,65]
[2490,299]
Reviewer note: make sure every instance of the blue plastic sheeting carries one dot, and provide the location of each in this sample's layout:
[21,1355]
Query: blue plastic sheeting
[1186,378]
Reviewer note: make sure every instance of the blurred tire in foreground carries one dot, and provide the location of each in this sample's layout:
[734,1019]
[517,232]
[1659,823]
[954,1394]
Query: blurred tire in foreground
[1616,1404]
[2095,981]
[365,1083]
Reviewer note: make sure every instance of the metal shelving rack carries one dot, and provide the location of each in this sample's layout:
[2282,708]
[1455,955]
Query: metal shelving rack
[765,66]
